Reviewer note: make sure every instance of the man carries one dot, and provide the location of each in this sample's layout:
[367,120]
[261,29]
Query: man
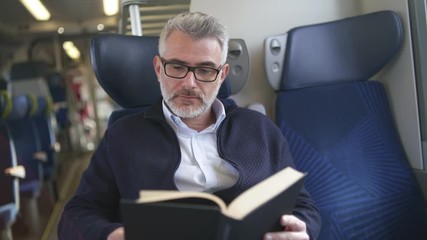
[189,141]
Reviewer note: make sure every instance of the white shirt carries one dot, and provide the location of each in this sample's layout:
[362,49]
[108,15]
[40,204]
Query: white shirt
[201,168]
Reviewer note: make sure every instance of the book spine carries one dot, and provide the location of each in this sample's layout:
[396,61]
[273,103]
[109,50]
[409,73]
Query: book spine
[226,228]
[224,231]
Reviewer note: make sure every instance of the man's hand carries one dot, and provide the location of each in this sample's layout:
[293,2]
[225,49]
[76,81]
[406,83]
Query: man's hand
[295,229]
[118,234]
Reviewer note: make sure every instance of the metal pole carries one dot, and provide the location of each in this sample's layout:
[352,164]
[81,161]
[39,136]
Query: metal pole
[134,15]
[135,20]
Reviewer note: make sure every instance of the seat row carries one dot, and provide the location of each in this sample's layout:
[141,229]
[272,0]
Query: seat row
[28,152]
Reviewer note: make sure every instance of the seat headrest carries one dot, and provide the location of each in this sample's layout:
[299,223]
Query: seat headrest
[30,69]
[41,106]
[123,66]
[351,49]
[5,104]
[20,107]
[3,84]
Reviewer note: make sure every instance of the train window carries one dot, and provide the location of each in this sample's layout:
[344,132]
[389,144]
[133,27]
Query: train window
[418,20]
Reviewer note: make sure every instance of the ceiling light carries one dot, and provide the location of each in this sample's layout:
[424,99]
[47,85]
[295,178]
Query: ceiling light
[111,7]
[37,9]
[100,27]
[61,30]
[71,50]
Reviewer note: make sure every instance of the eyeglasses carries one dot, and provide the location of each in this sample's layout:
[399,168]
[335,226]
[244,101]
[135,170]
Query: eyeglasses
[179,71]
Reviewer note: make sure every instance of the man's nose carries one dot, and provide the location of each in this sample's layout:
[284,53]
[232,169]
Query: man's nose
[190,79]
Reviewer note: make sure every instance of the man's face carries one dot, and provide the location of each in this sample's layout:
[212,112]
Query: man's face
[188,97]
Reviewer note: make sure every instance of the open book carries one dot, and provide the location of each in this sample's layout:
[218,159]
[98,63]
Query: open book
[195,215]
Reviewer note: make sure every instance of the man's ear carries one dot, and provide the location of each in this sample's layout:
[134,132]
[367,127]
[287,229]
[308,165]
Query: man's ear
[157,66]
[224,72]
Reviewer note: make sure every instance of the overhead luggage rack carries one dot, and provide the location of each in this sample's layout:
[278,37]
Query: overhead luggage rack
[145,17]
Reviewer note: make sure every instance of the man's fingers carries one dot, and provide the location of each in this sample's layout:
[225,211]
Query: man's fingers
[295,229]
[286,236]
[292,223]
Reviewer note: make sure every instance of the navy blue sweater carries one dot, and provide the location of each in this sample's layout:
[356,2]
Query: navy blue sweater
[142,152]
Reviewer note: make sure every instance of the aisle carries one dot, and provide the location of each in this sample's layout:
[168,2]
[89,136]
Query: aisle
[68,186]
[45,210]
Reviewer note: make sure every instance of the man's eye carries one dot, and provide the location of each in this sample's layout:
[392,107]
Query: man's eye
[205,71]
[177,67]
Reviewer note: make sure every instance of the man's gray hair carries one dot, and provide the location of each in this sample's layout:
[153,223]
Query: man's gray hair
[198,26]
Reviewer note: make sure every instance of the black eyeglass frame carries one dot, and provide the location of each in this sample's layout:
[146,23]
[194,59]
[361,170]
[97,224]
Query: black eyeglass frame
[190,69]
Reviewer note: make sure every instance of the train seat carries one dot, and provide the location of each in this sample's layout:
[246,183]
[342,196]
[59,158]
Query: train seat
[3,84]
[57,89]
[40,121]
[127,73]
[10,172]
[27,146]
[340,129]
[30,78]
[29,154]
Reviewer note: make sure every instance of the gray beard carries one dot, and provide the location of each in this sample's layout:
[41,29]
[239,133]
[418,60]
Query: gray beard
[188,111]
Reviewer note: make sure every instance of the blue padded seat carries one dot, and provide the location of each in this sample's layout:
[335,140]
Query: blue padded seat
[40,120]
[30,78]
[127,73]
[9,204]
[3,84]
[57,89]
[340,129]
[26,145]
[45,134]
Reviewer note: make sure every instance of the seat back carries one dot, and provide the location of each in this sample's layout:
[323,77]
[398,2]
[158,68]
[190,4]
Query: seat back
[123,66]
[9,197]
[30,78]
[26,144]
[340,129]
[58,91]
[42,125]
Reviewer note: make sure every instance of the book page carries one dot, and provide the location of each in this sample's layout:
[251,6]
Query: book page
[262,192]
[151,196]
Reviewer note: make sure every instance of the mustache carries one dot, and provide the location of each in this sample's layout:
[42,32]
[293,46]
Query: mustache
[187,92]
